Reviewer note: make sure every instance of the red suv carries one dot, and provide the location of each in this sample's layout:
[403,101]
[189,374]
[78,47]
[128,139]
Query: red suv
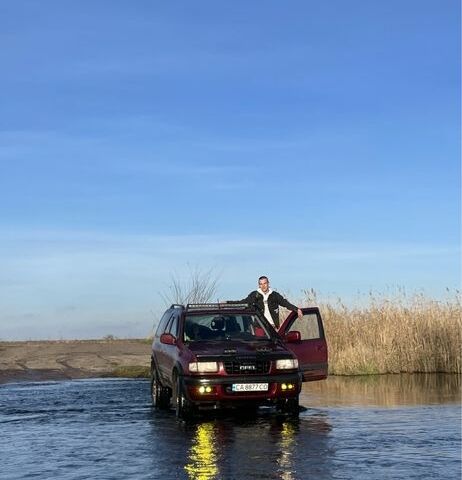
[209,356]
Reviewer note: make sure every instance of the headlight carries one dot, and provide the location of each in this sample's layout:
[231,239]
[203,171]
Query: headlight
[203,367]
[287,364]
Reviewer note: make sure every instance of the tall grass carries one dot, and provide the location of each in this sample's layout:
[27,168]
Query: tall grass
[392,334]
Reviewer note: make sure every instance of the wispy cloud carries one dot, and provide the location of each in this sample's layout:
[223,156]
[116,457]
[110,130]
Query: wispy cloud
[93,241]
[87,153]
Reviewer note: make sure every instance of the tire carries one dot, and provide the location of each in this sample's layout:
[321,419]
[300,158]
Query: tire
[184,409]
[292,406]
[280,404]
[289,405]
[159,394]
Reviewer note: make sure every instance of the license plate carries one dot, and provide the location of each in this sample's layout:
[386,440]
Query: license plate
[250,387]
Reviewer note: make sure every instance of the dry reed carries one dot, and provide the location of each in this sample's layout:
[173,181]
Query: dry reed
[392,335]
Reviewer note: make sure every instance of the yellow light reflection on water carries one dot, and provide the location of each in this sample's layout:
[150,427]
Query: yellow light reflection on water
[202,454]
[286,444]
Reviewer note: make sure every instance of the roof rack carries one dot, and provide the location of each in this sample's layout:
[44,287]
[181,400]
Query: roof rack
[217,306]
[176,305]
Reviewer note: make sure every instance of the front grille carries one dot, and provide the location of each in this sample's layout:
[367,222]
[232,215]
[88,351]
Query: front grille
[246,367]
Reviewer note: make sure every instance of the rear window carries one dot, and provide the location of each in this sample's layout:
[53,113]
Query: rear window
[224,327]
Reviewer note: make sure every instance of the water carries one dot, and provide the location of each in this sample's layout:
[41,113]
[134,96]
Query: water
[361,428]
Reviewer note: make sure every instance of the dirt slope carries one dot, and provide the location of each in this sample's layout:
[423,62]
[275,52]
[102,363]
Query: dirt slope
[50,360]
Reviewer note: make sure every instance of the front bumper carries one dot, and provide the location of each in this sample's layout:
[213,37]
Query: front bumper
[221,392]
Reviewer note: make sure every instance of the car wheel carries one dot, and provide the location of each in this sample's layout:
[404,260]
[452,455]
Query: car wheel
[159,394]
[292,406]
[183,407]
[289,405]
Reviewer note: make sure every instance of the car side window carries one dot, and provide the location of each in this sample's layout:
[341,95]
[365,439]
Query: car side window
[169,324]
[308,326]
[163,322]
[173,326]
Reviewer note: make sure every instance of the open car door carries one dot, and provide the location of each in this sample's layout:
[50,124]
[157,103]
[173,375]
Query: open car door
[311,346]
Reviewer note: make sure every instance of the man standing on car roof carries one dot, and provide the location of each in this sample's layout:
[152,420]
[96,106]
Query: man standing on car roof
[268,301]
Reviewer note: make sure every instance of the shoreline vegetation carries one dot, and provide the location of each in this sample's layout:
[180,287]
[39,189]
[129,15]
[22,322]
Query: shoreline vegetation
[395,334]
[387,335]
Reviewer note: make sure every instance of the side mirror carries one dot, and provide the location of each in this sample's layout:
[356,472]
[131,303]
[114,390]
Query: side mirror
[168,339]
[292,337]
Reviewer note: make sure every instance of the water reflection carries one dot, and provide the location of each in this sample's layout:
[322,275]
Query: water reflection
[383,390]
[202,454]
[286,444]
[234,446]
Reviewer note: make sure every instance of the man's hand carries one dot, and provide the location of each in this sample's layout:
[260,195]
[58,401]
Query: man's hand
[299,313]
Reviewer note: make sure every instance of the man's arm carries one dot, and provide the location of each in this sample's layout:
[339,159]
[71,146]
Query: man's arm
[285,303]
[250,299]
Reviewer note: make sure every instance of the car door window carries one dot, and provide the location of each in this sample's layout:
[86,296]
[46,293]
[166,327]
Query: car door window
[169,324]
[163,323]
[173,327]
[308,326]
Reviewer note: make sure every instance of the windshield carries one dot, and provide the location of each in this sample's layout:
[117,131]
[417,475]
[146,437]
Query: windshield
[224,327]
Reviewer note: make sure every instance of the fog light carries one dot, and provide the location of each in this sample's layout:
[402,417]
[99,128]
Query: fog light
[283,386]
[204,389]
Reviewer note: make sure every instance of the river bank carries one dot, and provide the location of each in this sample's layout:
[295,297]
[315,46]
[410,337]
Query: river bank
[72,359]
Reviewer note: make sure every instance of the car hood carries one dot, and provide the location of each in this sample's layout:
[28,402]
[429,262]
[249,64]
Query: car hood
[235,347]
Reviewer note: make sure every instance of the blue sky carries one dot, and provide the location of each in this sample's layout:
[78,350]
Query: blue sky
[315,142]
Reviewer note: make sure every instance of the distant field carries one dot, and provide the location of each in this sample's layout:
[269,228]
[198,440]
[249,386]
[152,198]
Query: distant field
[393,335]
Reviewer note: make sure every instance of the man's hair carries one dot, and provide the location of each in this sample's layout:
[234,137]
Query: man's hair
[263,277]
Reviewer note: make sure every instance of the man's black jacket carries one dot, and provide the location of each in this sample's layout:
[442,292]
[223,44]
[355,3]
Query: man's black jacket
[275,299]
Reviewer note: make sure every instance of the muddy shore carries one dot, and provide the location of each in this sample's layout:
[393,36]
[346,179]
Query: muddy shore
[72,359]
